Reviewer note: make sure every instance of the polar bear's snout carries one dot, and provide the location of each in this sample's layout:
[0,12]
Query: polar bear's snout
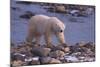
[61,31]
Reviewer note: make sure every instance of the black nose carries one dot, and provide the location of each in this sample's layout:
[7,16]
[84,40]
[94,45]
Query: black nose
[61,30]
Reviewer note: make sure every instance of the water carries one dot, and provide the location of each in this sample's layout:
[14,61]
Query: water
[81,30]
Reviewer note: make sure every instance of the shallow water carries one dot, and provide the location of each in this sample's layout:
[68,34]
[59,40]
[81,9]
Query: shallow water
[81,30]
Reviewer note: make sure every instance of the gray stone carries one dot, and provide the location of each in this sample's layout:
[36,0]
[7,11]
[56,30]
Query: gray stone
[40,51]
[45,60]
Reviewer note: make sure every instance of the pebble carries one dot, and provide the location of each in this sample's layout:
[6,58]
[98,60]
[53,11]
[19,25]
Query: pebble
[56,54]
[54,61]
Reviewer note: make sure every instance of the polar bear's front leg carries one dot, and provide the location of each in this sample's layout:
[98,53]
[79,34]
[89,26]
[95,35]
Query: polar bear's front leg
[60,37]
[48,39]
[29,37]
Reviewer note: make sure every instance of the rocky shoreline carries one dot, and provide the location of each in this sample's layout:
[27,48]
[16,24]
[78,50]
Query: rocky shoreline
[25,55]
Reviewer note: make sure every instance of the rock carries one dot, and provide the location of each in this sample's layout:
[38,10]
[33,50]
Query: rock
[89,11]
[57,9]
[40,51]
[67,49]
[76,54]
[51,9]
[45,60]
[74,12]
[59,47]
[31,58]
[28,47]
[71,59]
[17,56]
[13,50]
[33,62]
[89,45]
[56,54]
[60,9]
[22,50]
[81,58]
[24,2]
[54,61]
[27,15]
[63,60]
[81,44]
[88,59]
[17,63]
[64,45]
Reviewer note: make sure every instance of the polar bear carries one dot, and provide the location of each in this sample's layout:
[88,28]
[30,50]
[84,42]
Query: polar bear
[42,25]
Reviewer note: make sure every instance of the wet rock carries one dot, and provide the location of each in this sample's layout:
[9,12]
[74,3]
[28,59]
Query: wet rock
[54,61]
[40,51]
[12,44]
[57,54]
[15,8]
[45,60]
[27,15]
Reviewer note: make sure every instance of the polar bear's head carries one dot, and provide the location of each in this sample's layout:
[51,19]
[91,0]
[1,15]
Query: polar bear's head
[58,26]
